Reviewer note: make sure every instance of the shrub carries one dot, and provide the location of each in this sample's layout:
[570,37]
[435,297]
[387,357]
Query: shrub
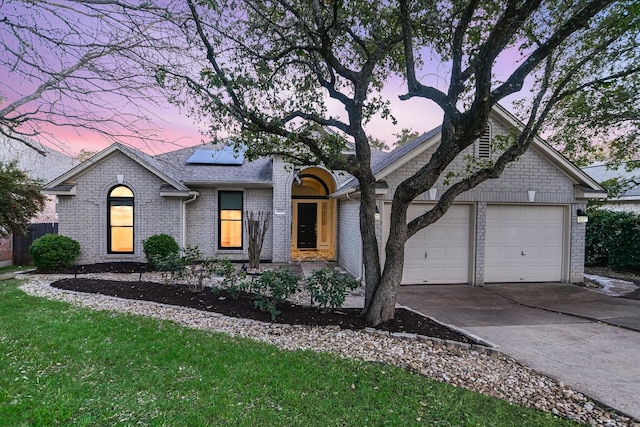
[613,239]
[273,287]
[233,282]
[159,245]
[54,251]
[328,289]
[188,267]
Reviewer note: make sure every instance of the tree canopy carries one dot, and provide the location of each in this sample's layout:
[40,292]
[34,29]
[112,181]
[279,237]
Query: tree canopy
[77,65]
[21,199]
[272,70]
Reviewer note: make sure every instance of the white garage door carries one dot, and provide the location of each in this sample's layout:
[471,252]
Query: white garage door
[439,254]
[524,243]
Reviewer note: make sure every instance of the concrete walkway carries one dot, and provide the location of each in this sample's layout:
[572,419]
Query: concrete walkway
[598,359]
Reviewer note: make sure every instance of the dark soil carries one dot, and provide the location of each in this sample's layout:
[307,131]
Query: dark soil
[220,301]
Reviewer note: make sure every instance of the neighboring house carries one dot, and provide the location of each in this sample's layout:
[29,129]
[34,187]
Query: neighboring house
[521,227]
[629,181]
[38,166]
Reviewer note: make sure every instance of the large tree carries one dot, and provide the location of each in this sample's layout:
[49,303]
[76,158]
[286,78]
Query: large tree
[270,70]
[21,199]
[76,65]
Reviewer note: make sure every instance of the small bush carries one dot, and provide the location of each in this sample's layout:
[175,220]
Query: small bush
[159,245]
[53,251]
[233,282]
[272,288]
[188,267]
[328,289]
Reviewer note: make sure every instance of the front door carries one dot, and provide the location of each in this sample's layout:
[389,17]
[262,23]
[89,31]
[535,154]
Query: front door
[307,217]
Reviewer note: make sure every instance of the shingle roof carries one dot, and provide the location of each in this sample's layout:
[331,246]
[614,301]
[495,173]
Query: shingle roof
[604,172]
[381,160]
[174,163]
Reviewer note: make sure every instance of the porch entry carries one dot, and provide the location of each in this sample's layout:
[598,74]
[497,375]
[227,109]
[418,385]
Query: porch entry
[313,215]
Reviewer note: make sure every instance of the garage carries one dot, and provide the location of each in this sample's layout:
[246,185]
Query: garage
[524,243]
[439,253]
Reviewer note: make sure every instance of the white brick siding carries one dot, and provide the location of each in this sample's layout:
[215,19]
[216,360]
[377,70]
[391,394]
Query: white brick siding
[282,179]
[349,240]
[84,217]
[531,171]
[202,222]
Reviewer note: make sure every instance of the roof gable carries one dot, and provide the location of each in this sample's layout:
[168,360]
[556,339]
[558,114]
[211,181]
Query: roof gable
[60,184]
[400,156]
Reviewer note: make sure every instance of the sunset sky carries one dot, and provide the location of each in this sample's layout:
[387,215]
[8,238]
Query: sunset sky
[176,130]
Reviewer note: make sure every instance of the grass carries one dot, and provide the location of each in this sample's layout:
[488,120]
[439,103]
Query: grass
[12,268]
[65,365]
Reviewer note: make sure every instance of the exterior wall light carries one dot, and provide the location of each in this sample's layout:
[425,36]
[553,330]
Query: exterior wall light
[377,214]
[433,193]
[581,217]
[532,195]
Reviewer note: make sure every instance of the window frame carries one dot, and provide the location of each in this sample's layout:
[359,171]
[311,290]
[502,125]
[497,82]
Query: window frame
[122,201]
[220,220]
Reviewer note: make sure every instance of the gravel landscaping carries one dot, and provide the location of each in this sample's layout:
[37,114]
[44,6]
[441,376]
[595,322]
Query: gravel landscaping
[486,372]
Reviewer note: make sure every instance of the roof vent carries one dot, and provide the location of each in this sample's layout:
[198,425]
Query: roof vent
[483,144]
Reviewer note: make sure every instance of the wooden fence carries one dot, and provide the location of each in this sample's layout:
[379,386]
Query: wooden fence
[21,243]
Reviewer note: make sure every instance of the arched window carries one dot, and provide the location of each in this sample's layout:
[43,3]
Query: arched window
[120,220]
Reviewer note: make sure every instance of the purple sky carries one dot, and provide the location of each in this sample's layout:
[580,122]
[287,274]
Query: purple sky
[178,130]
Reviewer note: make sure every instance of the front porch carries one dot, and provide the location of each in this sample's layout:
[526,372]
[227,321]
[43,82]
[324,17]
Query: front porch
[312,255]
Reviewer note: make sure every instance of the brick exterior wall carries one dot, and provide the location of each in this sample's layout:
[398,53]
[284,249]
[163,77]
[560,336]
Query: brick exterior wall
[577,237]
[282,180]
[202,222]
[6,251]
[531,172]
[84,217]
[349,241]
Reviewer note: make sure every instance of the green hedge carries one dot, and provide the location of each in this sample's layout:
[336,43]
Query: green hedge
[613,239]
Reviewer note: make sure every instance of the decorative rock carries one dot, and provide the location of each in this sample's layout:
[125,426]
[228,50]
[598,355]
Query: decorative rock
[478,368]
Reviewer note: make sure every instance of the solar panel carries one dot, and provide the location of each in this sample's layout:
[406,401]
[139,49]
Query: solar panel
[226,156]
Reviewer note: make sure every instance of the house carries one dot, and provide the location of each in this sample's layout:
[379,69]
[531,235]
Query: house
[521,227]
[628,199]
[37,166]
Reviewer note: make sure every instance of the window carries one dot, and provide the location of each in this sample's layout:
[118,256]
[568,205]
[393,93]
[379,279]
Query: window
[120,220]
[483,144]
[230,219]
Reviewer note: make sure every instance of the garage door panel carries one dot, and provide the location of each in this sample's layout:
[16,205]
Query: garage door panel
[524,243]
[446,245]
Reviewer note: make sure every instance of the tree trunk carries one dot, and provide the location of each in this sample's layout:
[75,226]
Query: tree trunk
[382,305]
[370,253]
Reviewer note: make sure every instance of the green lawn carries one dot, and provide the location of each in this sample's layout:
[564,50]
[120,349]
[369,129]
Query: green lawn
[63,365]
[12,268]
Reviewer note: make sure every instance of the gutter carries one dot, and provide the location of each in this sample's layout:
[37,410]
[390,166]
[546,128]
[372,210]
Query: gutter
[184,218]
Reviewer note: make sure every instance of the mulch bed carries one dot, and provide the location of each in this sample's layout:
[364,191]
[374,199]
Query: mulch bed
[220,301]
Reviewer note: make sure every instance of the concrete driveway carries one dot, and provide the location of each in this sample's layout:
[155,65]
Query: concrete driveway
[556,329]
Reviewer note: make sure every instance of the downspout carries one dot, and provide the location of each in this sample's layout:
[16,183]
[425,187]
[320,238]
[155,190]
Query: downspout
[184,219]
